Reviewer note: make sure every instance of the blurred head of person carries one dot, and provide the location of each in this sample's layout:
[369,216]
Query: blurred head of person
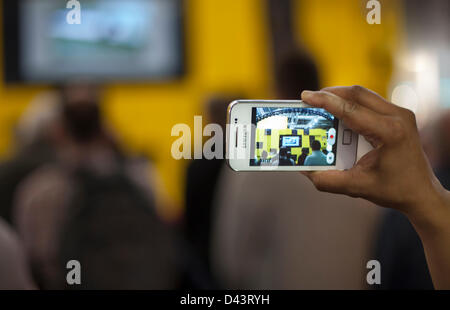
[81,111]
[88,143]
[264,154]
[283,153]
[315,145]
[295,73]
[39,122]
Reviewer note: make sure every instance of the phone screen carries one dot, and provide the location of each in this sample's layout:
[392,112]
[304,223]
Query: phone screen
[286,136]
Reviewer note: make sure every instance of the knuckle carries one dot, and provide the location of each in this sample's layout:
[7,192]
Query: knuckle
[317,181]
[409,115]
[349,107]
[318,94]
[321,96]
[397,129]
[356,91]
[354,189]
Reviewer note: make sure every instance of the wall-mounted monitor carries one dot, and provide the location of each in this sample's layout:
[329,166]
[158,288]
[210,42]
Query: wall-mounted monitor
[118,40]
[290,141]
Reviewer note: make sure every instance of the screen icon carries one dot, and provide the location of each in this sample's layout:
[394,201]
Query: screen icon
[331,136]
[330,158]
[329,148]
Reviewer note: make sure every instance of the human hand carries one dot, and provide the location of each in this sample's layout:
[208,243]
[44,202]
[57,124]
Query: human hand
[396,172]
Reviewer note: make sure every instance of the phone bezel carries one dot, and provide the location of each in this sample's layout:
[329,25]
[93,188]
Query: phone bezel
[241,109]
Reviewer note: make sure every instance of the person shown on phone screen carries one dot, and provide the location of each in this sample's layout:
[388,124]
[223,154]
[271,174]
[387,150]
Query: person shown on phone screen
[395,174]
[317,158]
[264,161]
[285,160]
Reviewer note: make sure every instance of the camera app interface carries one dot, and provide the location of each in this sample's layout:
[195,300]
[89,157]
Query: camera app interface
[293,137]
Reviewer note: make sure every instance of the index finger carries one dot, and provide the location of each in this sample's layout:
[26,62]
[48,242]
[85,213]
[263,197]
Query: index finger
[357,117]
[364,97]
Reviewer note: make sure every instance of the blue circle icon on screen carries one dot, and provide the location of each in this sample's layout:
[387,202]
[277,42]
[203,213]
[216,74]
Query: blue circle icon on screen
[330,158]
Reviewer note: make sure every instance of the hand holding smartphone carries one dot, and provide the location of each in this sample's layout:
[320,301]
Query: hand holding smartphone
[287,135]
[391,171]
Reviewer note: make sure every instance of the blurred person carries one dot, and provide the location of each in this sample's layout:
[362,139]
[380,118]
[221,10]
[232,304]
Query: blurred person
[95,205]
[201,185]
[295,73]
[14,271]
[302,157]
[394,174]
[274,156]
[317,157]
[273,230]
[284,159]
[36,137]
[264,161]
[442,142]
[399,248]
[400,252]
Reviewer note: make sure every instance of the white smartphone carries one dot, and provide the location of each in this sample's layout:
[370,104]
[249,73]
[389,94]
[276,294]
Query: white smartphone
[287,135]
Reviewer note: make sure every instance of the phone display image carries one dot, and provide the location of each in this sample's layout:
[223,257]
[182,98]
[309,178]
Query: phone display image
[286,136]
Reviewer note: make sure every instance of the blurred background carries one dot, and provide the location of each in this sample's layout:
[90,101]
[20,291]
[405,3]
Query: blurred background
[86,113]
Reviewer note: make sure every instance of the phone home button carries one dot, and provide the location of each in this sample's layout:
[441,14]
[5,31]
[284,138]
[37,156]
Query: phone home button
[347,137]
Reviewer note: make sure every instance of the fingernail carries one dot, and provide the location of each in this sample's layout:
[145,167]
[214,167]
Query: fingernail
[307,94]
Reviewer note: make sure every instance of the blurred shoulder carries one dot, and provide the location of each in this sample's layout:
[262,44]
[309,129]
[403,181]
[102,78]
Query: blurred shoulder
[14,272]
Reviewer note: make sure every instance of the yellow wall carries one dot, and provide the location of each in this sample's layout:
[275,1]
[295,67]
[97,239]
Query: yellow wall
[227,44]
[349,50]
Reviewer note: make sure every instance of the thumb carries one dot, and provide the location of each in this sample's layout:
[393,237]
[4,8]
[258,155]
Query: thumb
[335,181]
